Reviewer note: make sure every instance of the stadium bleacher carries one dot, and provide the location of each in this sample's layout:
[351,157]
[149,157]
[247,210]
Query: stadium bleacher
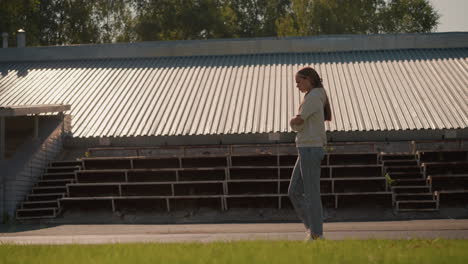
[226,177]
[446,173]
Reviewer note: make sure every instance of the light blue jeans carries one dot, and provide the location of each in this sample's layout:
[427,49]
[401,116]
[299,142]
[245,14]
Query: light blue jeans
[304,188]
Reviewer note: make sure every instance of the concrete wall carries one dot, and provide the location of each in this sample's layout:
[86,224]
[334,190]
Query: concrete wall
[383,136]
[238,46]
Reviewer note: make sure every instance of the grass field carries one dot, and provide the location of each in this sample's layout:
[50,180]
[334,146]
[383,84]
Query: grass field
[345,251]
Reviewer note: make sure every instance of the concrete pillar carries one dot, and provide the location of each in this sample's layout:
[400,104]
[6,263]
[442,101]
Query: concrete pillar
[5,40]
[21,38]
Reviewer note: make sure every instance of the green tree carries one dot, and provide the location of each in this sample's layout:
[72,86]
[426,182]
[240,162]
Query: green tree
[76,22]
[254,18]
[20,14]
[179,19]
[314,17]
[298,21]
[346,17]
[56,22]
[49,32]
[114,19]
[409,16]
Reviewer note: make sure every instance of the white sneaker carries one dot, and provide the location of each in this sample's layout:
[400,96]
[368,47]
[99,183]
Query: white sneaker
[310,238]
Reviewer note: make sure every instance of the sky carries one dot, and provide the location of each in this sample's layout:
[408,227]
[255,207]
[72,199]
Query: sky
[454,15]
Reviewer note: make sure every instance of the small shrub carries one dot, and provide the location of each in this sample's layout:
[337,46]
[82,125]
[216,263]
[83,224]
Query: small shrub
[389,179]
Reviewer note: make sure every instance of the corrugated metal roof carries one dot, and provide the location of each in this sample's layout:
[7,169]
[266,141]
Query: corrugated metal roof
[235,94]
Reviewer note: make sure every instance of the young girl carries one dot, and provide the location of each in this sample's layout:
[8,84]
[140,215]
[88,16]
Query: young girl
[304,188]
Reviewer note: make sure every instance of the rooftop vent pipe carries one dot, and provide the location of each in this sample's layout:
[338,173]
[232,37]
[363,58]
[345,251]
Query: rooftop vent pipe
[21,38]
[5,40]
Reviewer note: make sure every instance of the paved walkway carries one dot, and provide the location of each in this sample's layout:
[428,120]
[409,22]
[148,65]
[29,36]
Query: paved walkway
[95,234]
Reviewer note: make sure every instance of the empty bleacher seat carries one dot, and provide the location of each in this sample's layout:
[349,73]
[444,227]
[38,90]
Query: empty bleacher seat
[247,177]
[447,167]
[151,175]
[448,182]
[442,155]
[155,163]
[352,158]
[106,163]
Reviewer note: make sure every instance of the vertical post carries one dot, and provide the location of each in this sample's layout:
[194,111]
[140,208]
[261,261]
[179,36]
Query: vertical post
[3,196]
[2,137]
[61,117]
[3,175]
[36,127]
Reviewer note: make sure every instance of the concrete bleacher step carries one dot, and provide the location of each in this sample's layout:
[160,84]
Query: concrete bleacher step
[400,163]
[448,182]
[452,197]
[407,169]
[419,210]
[443,155]
[45,196]
[405,175]
[62,169]
[65,163]
[413,196]
[397,156]
[445,167]
[47,212]
[48,189]
[416,205]
[39,204]
[352,159]
[419,181]
[50,183]
[59,176]
[410,189]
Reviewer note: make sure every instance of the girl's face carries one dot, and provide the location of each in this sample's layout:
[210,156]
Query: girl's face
[303,83]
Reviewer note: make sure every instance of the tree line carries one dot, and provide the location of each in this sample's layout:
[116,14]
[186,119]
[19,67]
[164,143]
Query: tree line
[59,22]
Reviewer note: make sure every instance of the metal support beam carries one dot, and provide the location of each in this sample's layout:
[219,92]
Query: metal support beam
[2,137]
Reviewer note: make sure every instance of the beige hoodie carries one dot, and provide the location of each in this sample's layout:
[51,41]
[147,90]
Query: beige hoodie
[312,132]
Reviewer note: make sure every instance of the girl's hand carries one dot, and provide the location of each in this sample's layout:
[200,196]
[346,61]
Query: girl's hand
[296,121]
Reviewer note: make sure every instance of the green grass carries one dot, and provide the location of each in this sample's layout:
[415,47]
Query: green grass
[344,251]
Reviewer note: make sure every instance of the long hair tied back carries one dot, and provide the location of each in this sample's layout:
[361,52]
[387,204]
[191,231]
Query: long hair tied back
[313,75]
[309,72]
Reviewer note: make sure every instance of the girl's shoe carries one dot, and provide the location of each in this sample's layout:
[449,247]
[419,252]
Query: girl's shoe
[310,238]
